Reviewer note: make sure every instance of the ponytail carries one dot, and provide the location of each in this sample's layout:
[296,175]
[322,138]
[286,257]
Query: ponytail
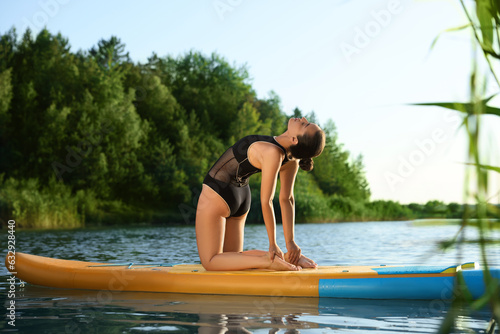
[306,164]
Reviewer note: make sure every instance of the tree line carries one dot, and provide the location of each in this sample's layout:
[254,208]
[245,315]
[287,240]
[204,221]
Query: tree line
[94,137]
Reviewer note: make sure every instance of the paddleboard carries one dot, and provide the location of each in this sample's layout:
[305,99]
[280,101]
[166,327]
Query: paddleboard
[369,282]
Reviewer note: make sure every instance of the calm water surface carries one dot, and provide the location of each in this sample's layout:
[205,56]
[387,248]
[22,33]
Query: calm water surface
[45,310]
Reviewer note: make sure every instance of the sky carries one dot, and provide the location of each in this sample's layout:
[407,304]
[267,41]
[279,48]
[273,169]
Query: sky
[361,64]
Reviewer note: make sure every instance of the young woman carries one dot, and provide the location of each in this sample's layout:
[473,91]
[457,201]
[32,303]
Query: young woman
[225,198]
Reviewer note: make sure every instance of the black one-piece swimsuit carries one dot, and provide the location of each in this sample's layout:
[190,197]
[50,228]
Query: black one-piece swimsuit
[229,175]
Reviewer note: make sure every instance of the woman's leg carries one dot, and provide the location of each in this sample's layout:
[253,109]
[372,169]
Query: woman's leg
[234,238]
[235,234]
[210,236]
[304,262]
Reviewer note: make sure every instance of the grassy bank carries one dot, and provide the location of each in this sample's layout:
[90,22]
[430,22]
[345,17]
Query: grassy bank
[492,223]
[33,206]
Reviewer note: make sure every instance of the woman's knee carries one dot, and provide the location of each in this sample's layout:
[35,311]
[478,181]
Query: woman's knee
[207,263]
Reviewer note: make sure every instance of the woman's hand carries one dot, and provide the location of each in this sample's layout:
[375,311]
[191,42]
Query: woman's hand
[294,252]
[274,250]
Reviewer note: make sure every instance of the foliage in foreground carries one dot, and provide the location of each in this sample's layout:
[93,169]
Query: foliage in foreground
[484,24]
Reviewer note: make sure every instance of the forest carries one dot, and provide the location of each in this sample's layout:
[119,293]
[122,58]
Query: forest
[93,138]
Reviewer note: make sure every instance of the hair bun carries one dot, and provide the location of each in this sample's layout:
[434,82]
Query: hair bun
[306,164]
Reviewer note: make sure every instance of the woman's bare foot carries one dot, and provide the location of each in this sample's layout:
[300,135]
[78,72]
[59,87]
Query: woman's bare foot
[279,264]
[304,262]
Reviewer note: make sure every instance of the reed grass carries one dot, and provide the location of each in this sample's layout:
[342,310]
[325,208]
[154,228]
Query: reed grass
[56,206]
[484,24]
[34,206]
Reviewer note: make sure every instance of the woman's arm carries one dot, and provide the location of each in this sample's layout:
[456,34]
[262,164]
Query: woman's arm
[270,162]
[287,203]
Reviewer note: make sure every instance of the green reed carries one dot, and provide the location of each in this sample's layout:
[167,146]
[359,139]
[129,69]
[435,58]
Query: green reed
[484,23]
[34,206]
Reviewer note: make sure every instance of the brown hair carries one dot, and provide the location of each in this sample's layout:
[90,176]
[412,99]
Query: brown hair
[307,148]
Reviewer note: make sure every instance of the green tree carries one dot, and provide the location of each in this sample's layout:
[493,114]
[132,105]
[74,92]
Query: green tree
[245,123]
[334,171]
[5,99]
[209,86]
[389,210]
[455,210]
[38,97]
[435,209]
[110,54]
[297,113]
[272,118]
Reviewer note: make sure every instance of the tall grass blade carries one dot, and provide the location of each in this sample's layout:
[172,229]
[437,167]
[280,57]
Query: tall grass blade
[467,108]
[484,12]
[465,26]
[487,167]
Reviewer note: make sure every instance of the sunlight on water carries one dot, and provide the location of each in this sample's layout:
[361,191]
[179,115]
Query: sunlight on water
[44,310]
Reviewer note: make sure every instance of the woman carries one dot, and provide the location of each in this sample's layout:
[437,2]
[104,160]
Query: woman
[225,198]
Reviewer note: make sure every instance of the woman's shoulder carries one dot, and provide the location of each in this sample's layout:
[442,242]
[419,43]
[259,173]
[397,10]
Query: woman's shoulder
[254,138]
[242,145]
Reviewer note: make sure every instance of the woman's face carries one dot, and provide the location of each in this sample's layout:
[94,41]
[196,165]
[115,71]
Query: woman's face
[300,126]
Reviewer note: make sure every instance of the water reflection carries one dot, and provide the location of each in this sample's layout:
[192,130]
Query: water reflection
[70,311]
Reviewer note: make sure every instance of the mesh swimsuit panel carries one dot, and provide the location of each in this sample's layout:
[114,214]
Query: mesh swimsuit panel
[229,175]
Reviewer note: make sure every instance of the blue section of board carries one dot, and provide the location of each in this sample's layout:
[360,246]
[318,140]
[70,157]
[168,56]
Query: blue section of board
[387,288]
[475,281]
[406,270]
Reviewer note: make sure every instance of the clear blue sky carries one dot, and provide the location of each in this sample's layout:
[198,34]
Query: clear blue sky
[359,63]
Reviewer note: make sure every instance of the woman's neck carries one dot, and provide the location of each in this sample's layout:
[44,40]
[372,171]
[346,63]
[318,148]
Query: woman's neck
[282,139]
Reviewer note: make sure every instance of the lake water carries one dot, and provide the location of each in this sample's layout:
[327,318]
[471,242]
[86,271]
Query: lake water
[45,310]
